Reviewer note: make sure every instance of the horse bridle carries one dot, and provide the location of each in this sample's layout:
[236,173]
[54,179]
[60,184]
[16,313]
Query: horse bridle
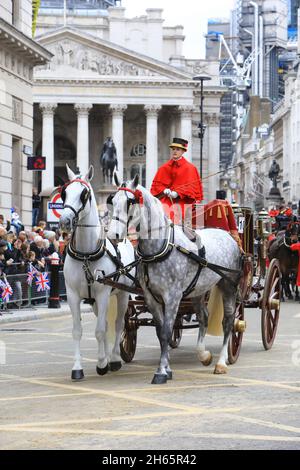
[138,199]
[84,197]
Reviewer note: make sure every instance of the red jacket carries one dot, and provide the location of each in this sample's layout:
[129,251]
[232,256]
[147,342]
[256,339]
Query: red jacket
[180,176]
[296,247]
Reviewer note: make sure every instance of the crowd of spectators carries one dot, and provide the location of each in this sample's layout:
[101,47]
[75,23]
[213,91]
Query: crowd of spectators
[20,249]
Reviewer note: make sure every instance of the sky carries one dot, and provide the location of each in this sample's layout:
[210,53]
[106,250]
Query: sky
[192,14]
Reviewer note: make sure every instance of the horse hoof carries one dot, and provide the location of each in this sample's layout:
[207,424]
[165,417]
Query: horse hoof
[77,374]
[169,375]
[220,369]
[102,371]
[207,362]
[114,366]
[159,379]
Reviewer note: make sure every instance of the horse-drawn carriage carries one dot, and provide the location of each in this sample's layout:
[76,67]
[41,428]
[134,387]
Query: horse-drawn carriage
[174,271]
[259,287]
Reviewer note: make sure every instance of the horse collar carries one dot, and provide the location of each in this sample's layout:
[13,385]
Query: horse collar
[163,253]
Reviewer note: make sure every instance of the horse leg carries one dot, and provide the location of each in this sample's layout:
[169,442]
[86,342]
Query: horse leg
[102,301]
[286,286]
[204,356]
[229,300]
[115,359]
[164,331]
[296,293]
[74,304]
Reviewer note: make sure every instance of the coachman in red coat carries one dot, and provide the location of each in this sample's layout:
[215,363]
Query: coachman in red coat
[177,183]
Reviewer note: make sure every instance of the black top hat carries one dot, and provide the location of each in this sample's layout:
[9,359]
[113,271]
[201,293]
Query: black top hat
[179,143]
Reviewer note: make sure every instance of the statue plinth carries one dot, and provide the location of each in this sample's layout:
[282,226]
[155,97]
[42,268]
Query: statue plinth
[275,199]
[274,192]
[102,195]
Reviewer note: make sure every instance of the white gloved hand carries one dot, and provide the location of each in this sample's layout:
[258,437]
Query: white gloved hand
[167,191]
[174,195]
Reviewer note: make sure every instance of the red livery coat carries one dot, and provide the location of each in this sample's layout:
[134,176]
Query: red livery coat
[296,247]
[180,176]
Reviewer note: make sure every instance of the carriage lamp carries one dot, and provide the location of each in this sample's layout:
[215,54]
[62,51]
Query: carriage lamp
[238,215]
[264,224]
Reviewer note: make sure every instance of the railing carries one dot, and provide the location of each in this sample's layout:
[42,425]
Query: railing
[26,296]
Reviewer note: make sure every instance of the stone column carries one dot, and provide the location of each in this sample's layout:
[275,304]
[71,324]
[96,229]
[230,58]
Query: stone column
[117,111]
[48,110]
[186,128]
[82,161]
[151,111]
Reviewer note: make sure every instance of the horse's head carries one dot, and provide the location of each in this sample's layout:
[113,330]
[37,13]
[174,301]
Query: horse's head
[76,195]
[293,231]
[125,209]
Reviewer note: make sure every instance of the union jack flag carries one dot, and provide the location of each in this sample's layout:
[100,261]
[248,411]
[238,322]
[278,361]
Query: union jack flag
[7,291]
[42,282]
[31,273]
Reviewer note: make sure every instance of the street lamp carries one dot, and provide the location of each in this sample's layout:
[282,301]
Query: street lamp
[201,125]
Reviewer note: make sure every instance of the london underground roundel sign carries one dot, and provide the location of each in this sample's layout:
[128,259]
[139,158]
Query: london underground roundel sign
[55,208]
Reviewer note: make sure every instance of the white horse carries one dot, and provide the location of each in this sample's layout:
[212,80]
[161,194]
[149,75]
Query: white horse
[166,272]
[89,251]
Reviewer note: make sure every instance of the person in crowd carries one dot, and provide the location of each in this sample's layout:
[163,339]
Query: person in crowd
[177,183]
[3,248]
[16,221]
[3,233]
[3,224]
[38,247]
[42,225]
[36,205]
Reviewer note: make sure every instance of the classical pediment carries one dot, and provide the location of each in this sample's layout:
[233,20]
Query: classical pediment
[79,55]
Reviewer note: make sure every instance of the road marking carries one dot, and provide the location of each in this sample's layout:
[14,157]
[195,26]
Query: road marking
[247,437]
[86,431]
[268,424]
[111,394]
[39,397]
[152,415]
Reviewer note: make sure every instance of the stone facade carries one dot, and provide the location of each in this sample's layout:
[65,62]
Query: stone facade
[98,84]
[18,55]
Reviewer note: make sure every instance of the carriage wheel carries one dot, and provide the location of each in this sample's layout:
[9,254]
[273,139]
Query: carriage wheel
[235,340]
[270,305]
[176,335]
[129,335]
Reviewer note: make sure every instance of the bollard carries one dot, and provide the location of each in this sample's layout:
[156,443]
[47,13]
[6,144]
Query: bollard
[54,285]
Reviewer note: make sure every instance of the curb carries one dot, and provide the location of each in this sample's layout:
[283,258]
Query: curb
[19,316]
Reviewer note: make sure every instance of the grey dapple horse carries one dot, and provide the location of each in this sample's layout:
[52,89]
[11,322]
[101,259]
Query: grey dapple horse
[88,249]
[165,281]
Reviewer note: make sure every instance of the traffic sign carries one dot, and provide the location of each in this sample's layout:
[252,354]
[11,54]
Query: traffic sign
[54,208]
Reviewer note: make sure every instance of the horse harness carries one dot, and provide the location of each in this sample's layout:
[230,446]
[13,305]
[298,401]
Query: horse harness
[101,249]
[167,249]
